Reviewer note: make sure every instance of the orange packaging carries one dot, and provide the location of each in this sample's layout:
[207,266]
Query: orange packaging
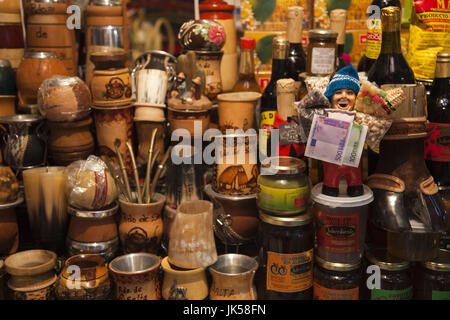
[289,272]
[324,293]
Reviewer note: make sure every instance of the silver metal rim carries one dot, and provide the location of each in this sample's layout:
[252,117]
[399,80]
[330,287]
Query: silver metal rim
[12,204]
[20,118]
[95,214]
[5,63]
[39,55]
[211,193]
[92,247]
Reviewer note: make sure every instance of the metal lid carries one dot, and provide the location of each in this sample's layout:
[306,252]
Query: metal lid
[322,33]
[290,221]
[39,55]
[62,81]
[283,165]
[382,258]
[14,118]
[94,214]
[14,204]
[441,263]
[443,56]
[335,266]
[5,63]
[50,1]
[110,3]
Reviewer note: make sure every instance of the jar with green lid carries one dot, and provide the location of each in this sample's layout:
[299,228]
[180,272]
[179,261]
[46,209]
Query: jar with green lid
[283,186]
[285,257]
[395,278]
[322,52]
[432,278]
[336,281]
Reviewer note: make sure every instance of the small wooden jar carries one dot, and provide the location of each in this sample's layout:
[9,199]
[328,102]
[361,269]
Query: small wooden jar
[111,83]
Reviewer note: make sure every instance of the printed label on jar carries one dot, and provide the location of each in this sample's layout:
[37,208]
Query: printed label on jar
[324,293]
[380,294]
[337,233]
[282,199]
[437,144]
[440,295]
[323,60]
[373,42]
[289,272]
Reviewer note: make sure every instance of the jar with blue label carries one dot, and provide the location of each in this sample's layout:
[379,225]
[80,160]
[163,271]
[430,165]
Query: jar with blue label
[283,186]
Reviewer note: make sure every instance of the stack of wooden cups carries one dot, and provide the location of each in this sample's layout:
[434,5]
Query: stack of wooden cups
[111,88]
[11,32]
[66,104]
[47,31]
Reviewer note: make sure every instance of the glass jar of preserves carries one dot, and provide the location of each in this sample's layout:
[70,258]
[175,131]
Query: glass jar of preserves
[285,257]
[322,52]
[283,186]
[336,281]
[395,279]
[432,278]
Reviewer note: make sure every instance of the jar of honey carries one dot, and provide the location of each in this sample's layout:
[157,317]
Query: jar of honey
[432,278]
[285,257]
[395,279]
[336,281]
[322,52]
[283,186]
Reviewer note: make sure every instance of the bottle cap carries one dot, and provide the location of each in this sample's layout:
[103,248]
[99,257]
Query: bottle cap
[443,56]
[280,46]
[248,43]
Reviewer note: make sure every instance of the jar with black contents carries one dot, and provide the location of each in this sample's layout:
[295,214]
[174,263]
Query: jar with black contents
[286,257]
[395,278]
[432,278]
[322,52]
[336,281]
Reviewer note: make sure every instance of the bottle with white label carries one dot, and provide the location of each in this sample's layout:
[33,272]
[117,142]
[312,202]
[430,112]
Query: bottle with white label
[322,52]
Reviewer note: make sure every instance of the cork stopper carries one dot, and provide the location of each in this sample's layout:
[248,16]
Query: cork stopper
[285,98]
[442,65]
[338,21]
[295,24]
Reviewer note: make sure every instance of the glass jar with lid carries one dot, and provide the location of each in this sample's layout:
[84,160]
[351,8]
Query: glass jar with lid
[283,186]
[395,278]
[336,281]
[285,257]
[322,52]
[432,278]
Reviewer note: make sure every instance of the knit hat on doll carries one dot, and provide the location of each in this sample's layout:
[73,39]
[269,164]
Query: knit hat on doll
[345,78]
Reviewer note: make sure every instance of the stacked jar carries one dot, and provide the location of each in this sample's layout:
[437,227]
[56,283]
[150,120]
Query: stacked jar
[286,232]
[11,32]
[340,227]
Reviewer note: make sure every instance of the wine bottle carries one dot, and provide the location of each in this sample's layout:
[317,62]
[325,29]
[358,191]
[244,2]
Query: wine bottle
[247,81]
[296,55]
[280,47]
[374,34]
[437,144]
[338,21]
[391,66]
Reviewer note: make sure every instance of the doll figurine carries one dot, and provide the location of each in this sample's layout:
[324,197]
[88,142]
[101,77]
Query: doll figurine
[341,92]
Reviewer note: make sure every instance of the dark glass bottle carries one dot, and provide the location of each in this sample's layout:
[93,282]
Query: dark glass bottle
[296,55]
[437,145]
[280,47]
[391,66]
[247,81]
[374,36]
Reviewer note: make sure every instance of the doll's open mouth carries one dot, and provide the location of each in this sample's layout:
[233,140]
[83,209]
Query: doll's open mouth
[343,103]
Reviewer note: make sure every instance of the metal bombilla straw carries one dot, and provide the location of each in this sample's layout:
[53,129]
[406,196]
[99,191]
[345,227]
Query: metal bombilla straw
[124,171]
[149,165]
[136,175]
